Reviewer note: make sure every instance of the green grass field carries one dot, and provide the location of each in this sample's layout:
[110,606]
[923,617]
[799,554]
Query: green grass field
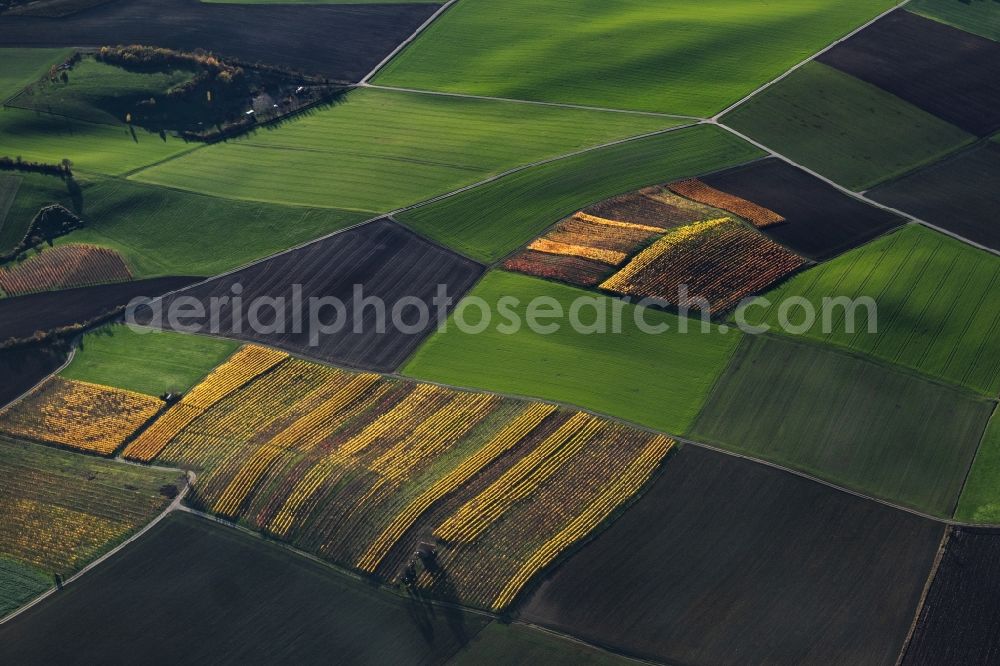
[846,129]
[151,363]
[980,501]
[34,191]
[168,232]
[937,306]
[24,66]
[380,150]
[858,424]
[95,89]
[686,56]
[517,644]
[659,381]
[981,17]
[39,137]
[19,583]
[491,221]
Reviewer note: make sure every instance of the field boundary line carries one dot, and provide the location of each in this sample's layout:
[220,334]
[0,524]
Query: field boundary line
[543,162]
[391,214]
[686,441]
[852,193]
[65,364]
[633,425]
[515,100]
[173,506]
[406,42]
[938,557]
[344,572]
[794,68]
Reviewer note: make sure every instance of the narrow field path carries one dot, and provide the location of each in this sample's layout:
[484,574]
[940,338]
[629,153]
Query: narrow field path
[175,505]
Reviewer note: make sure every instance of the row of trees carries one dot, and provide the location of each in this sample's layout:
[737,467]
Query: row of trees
[64,169]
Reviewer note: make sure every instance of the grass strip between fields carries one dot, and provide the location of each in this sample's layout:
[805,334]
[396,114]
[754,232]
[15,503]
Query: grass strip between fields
[980,502]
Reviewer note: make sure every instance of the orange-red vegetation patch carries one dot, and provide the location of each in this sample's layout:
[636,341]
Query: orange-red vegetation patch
[698,191]
[719,262]
[62,267]
[573,270]
[651,206]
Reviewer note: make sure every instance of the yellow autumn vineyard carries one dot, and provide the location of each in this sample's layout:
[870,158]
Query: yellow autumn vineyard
[508,437]
[79,415]
[614,496]
[244,365]
[358,468]
[59,510]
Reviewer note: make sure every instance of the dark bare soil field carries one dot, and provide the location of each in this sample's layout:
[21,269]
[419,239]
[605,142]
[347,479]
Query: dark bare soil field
[726,561]
[22,316]
[959,623]
[341,42]
[192,591]
[23,368]
[386,260]
[945,71]
[957,194]
[821,221]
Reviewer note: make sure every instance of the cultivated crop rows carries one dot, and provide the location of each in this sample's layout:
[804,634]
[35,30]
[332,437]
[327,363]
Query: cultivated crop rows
[65,266]
[719,262]
[79,415]
[360,469]
[241,367]
[584,248]
[698,191]
[59,510]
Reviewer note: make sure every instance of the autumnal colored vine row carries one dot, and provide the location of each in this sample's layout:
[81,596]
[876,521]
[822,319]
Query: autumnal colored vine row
[247,363]
[360,468]
[62,267]
[79,415]
[616,494]
[718,262]
[698,191]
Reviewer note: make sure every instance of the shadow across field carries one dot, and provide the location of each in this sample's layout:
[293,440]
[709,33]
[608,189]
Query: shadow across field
[195,591]
[341,42]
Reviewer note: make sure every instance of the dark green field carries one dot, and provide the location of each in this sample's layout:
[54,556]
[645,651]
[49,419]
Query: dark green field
[936,310]
[852,422]
[20,583]
[192,234]
[850,131]
[981,17]
[194,591]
